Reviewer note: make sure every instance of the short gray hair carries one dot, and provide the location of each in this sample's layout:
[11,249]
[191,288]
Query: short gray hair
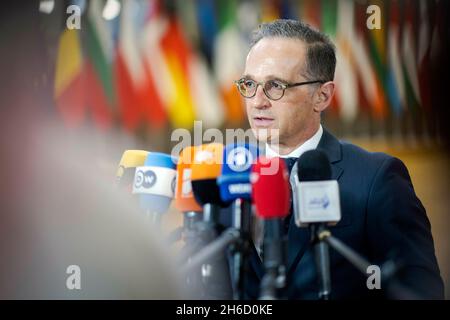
[320,51]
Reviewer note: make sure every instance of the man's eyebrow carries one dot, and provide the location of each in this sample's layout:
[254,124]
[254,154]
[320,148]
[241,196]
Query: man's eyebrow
[268,77]
[278,79]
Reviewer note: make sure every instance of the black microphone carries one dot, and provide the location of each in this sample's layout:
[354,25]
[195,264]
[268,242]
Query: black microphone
[316,203]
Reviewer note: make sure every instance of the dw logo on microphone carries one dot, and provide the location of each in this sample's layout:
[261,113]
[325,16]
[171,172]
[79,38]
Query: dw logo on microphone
[145,179]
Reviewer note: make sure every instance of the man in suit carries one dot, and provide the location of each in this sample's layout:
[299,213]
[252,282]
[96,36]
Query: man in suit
[287,83]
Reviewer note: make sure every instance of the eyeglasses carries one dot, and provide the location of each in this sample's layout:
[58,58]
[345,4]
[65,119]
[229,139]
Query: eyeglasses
[273,89]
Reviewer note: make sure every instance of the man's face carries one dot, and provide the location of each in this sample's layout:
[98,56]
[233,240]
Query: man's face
[293,114]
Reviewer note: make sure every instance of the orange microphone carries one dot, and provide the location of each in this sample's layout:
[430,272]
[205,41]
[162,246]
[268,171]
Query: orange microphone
[184,196]
[206,168]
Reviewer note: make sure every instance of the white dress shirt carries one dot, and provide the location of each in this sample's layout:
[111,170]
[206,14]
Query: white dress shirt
[309,144]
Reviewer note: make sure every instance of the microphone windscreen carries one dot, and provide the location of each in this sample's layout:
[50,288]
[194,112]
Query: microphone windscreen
[316,196]
[234,181]
[313,165]
[129,161]
[207,162]
[184,196]
[270,188]
[206,168]
[155,182]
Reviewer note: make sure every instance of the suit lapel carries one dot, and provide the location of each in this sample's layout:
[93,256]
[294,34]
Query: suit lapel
[299,238]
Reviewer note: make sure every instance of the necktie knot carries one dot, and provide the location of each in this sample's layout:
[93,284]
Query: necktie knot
[290,163]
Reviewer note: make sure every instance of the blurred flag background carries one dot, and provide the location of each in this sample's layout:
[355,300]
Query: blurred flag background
[156,65]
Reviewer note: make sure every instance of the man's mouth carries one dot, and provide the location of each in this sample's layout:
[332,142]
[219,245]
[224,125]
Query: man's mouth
[262,121]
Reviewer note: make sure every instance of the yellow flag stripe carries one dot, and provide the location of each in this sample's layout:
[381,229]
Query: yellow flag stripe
[69,61]
[181,107]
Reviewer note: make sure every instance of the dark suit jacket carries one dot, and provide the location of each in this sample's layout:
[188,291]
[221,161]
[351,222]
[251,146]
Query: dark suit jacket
[381,218]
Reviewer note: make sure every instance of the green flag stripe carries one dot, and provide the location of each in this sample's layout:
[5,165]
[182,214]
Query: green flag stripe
[100,63]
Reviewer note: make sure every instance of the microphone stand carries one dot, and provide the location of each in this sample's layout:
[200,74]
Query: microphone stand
[229,236]
[275,276]
[199,229]
[215,275]
[190,219]
[322,259]
[241,221]
[214,272]
[187,230]
[395,289]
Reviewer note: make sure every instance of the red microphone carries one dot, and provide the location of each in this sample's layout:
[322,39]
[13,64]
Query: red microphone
[270,188]
[270,191]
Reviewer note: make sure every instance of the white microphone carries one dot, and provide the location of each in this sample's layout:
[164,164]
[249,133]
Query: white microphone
[315,196]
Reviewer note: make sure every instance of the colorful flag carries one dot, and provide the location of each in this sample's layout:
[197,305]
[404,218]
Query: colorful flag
[208,103]
[409,58]
[100,90]
[206,12]
[138,95]
[69,91]
[310,11]
[154,57]
[229,56]
[177,54]
[424,63]
[129,69]
[346,78]
[395,84]
[377,45]
[270,10]
[368,48]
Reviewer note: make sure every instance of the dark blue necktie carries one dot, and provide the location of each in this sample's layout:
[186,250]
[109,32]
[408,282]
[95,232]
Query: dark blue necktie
[290,164]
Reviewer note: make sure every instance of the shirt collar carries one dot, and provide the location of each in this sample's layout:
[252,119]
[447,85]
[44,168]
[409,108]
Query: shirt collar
[309,144]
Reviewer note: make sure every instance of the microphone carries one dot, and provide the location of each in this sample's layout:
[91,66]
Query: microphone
[317,205]
[270,189]
[271,196]
[155,184]
[234,184]
[234,181]
[127,165]
[316,196]
[185,201]
[192,216]
[184,196]
[206,168]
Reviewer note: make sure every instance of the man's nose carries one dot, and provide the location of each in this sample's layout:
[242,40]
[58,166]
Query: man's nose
[260,100]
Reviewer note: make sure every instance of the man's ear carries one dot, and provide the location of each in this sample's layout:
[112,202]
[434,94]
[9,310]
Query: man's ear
[323,96]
